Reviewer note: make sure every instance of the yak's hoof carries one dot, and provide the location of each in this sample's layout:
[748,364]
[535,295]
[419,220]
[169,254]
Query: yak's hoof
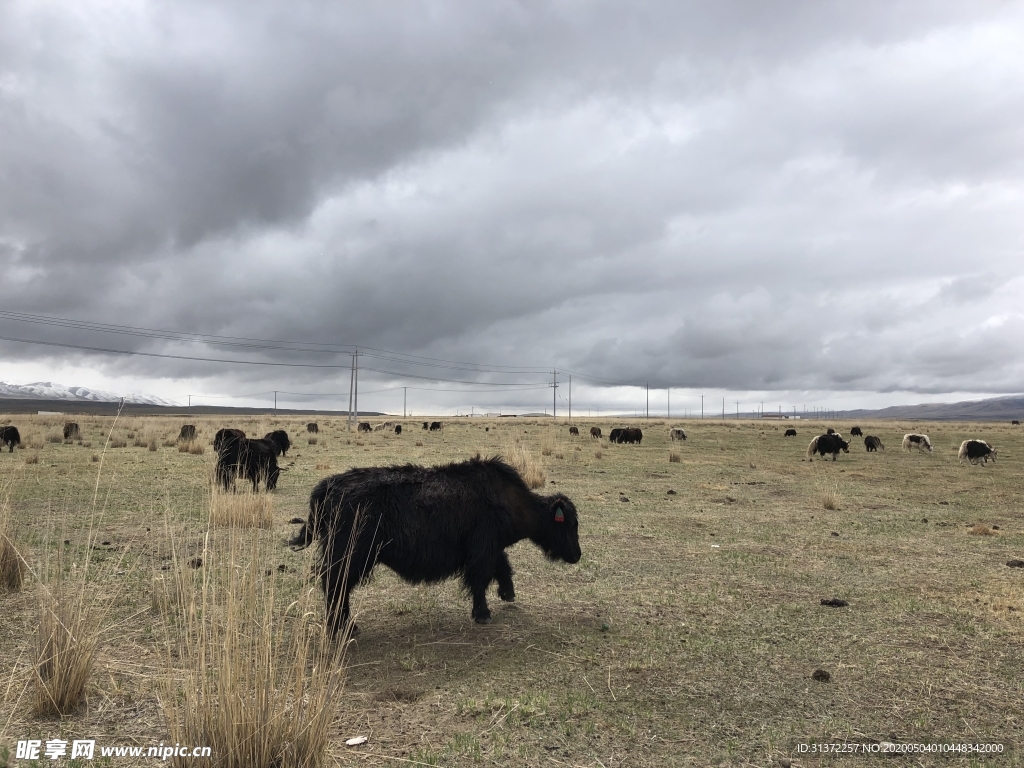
[483,619]
[508,597]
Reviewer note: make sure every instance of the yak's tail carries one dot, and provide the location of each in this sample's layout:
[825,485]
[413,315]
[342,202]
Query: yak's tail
[812,448]
[302,539]
[963,451]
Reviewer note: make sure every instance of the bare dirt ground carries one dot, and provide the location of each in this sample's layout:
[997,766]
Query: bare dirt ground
[687,635]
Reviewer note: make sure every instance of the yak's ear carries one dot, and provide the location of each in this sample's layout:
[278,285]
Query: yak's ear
[559,513]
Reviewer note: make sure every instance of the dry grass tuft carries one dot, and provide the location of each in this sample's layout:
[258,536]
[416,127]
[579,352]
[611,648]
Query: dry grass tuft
[117,442]
[360,443]
[33,459]
[828,492]
[323,467]
[674,458]
[71,621]
[312,441]
[598,454]
[247,676]
[55,437]
[196,448]
[531,470]
[546,449]
[243,509]
[12,566]
[153,445]
[980,529]
[419,443]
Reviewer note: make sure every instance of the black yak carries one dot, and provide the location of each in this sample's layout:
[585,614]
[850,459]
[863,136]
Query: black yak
[279,439]
[826,444]
[187,434]
[976,451]
[626,435]
[855,432]
[430,524]
[595,432]
[71,431]
[364,426]
[398,429]
[313,428]
[10,437]
[677,433]
[574,431]
[1015,423]
[436,425]
[872,443]
[254,460]
[790,433]
[224,436]
[426,425]
[920,441]
[830,431]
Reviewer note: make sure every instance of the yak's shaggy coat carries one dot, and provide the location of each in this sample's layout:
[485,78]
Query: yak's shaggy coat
[872,443]
[826,444]
[429,524]
[976,451]
[920,441]
[10,437]
[254,460]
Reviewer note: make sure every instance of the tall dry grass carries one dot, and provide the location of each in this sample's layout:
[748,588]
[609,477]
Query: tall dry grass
[828,492]
[241,509]
[12,565]
[250,673]
[529,468]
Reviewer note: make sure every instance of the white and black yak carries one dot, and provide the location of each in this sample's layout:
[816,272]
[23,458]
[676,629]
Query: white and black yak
[976,451]
[279,439]
[921,442]
[676,434]
[428,524]
[826,444]
[872,443]
[254,460]
[10,437]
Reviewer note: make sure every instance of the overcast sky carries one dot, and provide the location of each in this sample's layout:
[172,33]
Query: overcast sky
[797,202]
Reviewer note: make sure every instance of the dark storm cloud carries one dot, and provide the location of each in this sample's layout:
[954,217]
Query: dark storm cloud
[746,196]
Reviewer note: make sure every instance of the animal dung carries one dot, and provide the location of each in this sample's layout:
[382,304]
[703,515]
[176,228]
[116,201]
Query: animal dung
[297,521]
[835,602]
[835,533]
[1015,563]
[670,492]
[821,675]
[623,498]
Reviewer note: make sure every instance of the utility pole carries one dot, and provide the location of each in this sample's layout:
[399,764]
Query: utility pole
[351,387]
[405,399]
[275,402]
[737,410]
[702,407]
[190,406]
[648,401]
[570,398]
[723,410]
[356,402]
[668,398]
[554,392]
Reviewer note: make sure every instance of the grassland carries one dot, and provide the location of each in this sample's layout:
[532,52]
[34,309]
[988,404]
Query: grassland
[687,634]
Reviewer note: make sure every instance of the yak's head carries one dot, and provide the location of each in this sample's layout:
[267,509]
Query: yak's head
[846,446]
[561,529]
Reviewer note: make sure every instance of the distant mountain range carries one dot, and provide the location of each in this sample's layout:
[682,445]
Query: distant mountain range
[991,409]
[48,390]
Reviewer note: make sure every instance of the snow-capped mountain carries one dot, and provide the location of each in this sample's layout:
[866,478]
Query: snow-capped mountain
[48,390]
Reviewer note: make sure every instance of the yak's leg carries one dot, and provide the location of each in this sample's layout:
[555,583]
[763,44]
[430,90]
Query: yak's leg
[479,573]
[503,573]
[338,585]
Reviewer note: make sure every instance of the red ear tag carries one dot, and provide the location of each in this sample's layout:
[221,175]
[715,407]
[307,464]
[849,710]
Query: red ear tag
[559,515]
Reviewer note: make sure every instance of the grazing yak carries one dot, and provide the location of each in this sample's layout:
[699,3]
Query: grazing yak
[1015,423]
[313,428]
[830,431]
[826,444]
[187,433]
[790,433]
[676,434]
[429,524]
[872,443]
[426,425]
[224,436]
[71,431]
[10,437]
[855,432]
[921,442]
[595,432]
[379,428]
[628,435]
[279,439]
[398,429]
[252,459]
[976,451]
[574,431]
[364,426]
[435,426]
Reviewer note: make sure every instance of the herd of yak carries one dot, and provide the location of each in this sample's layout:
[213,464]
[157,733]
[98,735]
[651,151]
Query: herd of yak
[429,524]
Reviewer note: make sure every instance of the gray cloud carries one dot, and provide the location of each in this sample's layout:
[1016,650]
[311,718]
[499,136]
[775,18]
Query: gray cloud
[754,198]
